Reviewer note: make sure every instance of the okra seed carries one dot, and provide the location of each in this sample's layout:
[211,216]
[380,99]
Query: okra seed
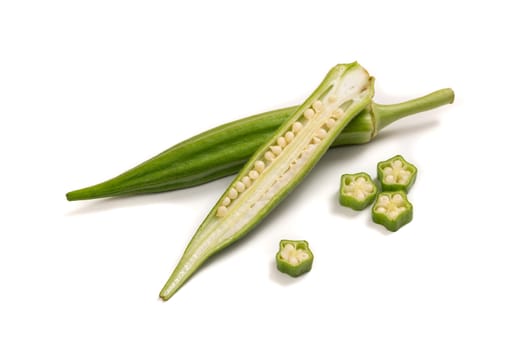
[387,170]
[289,136]
[259,165]
[397,163]
[397,198]
[253,174]
[281,141]
[321,133]
[330,123]
[318,106]
[232,193]
[276,150]
[389,179]
[316,140]
[392,214]
[296,127]
[226,201]
[269,156]
[240,187]
[286,252]
[338,113]
[246,181]
[332,98]
[309,113]
[381,210]
[383,200]
[221,211]
[302,255]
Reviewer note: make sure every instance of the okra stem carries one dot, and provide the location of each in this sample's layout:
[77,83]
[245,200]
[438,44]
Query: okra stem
[223,150]
[387,114]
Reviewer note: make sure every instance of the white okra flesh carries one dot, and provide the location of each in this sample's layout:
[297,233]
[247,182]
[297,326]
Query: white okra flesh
[278,166]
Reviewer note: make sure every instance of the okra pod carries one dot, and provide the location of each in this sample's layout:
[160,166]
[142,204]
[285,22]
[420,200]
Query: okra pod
[277,167]
[223,150]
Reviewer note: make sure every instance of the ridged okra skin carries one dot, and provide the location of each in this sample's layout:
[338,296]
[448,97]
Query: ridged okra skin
[223,150]
[277,167]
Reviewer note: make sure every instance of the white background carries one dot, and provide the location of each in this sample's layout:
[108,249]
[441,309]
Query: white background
[90,89]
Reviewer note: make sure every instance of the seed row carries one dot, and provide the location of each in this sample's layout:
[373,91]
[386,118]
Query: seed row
[268,157]
[275,150]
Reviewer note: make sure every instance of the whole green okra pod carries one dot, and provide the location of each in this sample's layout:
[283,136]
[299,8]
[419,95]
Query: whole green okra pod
[223,150]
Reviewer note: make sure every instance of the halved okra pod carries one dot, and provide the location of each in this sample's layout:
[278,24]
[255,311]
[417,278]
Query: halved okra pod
[392,210]
[277,167]
[357,191]
[223,150]
[396,174]
[294,257]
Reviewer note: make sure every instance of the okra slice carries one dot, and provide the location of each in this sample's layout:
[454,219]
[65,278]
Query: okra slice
[392,210]
[357,191]
[277,167]
[396,174]
[294,257]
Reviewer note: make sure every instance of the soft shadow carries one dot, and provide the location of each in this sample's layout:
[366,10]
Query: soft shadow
[341,210]
[414,128]
[377,227]
[281,278]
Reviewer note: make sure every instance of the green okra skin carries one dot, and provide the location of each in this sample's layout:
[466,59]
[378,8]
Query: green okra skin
[294,257]
[223,150]
[277,167]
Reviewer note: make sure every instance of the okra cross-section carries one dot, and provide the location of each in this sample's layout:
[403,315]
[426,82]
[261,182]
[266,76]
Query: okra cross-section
[396,174]
[357,191]
[392,210]
[294,257]
[277,166]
